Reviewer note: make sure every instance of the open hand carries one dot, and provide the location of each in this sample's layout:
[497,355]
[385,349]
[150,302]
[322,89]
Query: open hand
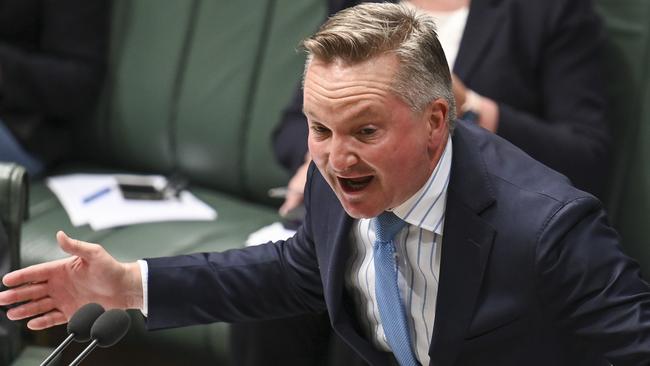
[53,291]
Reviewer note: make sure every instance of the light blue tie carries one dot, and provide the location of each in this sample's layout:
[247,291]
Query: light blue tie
[391,309]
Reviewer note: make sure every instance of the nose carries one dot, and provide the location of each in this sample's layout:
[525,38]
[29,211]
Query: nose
[341,157]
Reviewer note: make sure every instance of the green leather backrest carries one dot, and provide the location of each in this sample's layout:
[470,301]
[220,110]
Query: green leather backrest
[628,82]
[196,87]
[215,90]
[279,74]
[132,125]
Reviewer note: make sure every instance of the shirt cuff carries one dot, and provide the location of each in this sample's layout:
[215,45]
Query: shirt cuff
[144,272]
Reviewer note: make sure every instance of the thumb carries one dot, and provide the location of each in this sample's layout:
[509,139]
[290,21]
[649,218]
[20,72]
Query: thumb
[74,246]
[292,201]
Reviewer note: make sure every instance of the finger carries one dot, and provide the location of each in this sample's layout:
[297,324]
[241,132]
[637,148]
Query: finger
[292,201]
[30,309]
[75,247]
[284,209]
[36,273]
[48,320]
[23,293]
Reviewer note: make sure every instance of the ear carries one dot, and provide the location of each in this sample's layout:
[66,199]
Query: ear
[436,118]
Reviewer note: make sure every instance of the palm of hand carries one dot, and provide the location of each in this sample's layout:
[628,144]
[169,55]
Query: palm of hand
[85,280]
[51,292]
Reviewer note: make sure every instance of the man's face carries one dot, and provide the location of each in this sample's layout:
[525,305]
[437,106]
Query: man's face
[372,149]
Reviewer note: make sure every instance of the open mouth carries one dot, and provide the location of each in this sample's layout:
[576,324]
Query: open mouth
[354,184]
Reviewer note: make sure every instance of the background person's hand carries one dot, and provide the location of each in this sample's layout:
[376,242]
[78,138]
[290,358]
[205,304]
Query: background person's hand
[460,93]
[487,108]
[295,190]
[53,291]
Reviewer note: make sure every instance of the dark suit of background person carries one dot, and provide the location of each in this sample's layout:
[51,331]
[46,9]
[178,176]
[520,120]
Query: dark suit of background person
[531,273]
[52,61]
[538,59]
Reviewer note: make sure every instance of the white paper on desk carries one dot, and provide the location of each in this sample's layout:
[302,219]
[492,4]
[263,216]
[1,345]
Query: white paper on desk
[273,232]
[105,214]
[72,189]
[111,209]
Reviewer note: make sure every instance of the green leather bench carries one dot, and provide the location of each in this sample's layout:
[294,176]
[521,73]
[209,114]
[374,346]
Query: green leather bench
[194,89]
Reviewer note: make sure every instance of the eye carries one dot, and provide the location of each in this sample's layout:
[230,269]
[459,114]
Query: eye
[367,131]
[319,130]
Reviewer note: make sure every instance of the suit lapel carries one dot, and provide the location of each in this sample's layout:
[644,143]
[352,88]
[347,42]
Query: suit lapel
[467,242]
[341,308]
[341,225]
[483,20]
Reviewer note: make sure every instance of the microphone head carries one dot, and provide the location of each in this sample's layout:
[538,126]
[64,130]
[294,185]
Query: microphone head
[82,320]
[110,327]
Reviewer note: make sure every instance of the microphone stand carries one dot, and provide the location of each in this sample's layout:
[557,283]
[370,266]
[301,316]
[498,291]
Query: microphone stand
[85,353]
[58,349]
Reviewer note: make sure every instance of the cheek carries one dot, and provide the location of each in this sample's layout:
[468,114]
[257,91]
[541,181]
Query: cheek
[316,151]
[403,164]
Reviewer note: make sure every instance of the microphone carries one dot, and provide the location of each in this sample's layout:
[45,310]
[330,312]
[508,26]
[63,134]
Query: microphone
[108,329]
[78,328]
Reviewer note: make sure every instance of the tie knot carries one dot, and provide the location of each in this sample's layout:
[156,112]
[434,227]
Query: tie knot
[387,225]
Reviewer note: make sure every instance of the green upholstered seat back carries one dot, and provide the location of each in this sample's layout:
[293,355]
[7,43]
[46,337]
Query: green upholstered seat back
[628,82]
[196,87]
[279,73]
[132,125]
[215,90]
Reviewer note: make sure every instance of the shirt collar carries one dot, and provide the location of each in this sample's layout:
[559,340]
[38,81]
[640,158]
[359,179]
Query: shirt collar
[426,208]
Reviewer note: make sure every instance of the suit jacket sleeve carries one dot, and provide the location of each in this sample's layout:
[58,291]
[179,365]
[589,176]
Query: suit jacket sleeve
[568,132]
[268,281]
[594,291]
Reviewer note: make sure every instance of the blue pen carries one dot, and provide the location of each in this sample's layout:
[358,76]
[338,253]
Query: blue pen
[96,195]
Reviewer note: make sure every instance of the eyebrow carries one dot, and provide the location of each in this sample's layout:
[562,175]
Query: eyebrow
[368,111]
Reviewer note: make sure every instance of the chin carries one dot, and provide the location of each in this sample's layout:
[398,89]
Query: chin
[360,212]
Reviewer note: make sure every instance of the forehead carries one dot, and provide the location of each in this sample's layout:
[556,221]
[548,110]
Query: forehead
[338,84]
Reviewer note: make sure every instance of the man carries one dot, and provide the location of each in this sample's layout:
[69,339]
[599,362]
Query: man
[423,247]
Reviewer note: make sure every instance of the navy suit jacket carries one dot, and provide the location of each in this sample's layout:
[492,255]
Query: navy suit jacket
[539,60]
[531,272]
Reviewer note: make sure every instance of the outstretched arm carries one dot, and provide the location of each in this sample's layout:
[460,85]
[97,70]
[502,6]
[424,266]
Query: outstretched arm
[53,291]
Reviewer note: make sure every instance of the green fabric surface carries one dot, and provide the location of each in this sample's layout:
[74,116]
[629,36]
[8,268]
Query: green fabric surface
[215,91]
[627,59]
[132,125]
[236,219]
[280,71]
[32,356]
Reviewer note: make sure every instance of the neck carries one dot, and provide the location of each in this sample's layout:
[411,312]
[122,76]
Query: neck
[440,5]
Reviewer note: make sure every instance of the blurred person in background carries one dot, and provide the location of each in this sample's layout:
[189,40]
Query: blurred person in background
[52,63]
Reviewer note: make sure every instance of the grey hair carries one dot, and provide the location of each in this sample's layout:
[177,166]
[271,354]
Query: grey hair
[368,30]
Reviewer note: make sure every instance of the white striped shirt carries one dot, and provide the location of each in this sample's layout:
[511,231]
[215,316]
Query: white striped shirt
[418,247]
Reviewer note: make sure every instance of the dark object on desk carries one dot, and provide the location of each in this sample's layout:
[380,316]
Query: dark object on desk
[142,188]
[140,192]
